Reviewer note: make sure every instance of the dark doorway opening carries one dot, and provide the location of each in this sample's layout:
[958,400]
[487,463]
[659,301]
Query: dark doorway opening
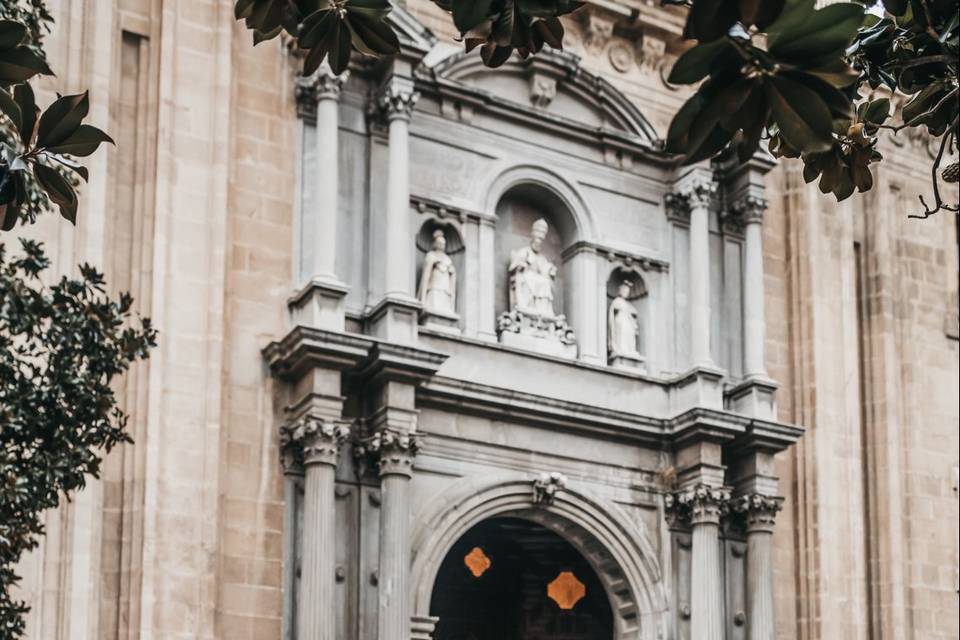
[511,579]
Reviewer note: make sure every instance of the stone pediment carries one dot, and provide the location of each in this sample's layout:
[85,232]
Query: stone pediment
[549,87]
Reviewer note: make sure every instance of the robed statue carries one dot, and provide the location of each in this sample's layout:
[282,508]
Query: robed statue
[438,278]
[623,328]
[532,276]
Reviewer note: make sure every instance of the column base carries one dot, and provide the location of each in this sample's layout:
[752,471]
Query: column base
[421,627]
[702,386]
[319,304]
[440,321]
[754,397]
[629,363]
[395,318]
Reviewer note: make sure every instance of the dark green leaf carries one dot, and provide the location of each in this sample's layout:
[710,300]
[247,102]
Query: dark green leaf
[10,108]
[469,13]
[710,19]
[11,34]
[372,36]
[61,119]
[23,94]
[695,63]
[801,32]
[876,111]
[19,65]
[82,142]
[802,116]
[60,191]
[340,48]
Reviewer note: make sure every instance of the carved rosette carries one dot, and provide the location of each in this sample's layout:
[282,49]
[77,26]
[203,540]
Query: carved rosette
[311,441]
[396,101]
[392,450]
[322,85]
[701,504]
[758,511]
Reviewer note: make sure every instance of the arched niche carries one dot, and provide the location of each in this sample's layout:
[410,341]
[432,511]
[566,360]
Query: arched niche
[455,249]
[516,210]
[616,546]
[636,297]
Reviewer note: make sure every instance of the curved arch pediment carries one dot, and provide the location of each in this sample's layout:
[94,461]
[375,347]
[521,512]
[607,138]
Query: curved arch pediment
[550,85]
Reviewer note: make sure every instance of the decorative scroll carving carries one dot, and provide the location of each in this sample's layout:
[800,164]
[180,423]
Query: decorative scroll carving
[392,450]
[697,505]
[547,486]
[758,511]
[311,441]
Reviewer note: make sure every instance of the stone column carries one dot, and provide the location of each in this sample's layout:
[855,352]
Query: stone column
[699,195]
[320,302]
[326,176]
[703,506]
[395,450]
[751,209]
[318,442]
[397,101]
[291,459]
[760,513]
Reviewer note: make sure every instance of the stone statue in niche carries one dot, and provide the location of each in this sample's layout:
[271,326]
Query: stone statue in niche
[438,278]
[623,328]
[532,322]
[532,275]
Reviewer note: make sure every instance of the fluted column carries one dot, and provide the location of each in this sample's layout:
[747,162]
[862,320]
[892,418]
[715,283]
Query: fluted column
[397,101]
[699,196]
[760,513]
[318,444]
[751,209]
[395,451]
[320,302]
[702,507]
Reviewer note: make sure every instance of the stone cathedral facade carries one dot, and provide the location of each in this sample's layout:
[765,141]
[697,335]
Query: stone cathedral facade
[454,353]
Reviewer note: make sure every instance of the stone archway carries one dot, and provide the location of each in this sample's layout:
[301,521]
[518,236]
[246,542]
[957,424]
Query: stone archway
[616,547]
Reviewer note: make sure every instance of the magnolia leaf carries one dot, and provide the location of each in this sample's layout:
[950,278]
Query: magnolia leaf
[802,116]
[469,13]
[10,108]
[339,56]
[372,36]
[493,55]
[58,189]
[12,34]
[710,19]
[802,33]
[61,119]
[695,63]
[876,111]
[23,94]
[82,142]
[19,65]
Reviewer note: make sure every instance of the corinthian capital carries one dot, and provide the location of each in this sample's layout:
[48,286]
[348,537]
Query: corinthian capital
[322,85]
[750,208]
[691,194]
[311,441]
[701,504]
[759,512]
[397,99]
[392,450]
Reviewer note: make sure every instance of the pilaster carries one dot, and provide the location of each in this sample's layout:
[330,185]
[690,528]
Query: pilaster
[395,316]
[319,303]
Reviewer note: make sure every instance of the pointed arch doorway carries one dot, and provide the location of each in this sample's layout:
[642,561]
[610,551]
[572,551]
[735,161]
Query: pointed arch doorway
[509,578]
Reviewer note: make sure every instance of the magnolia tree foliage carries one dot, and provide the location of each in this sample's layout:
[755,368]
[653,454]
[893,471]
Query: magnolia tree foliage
[805,82]
[61,346]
